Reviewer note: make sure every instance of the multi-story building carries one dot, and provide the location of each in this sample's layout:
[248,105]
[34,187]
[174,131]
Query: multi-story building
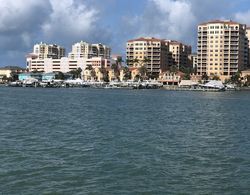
[193,60]
[180,53]
[248,40]
[82,55]
[221,48]
[155,51]
[87,50]
[43,50]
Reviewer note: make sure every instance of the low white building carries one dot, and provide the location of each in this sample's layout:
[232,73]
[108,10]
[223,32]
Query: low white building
[65,64]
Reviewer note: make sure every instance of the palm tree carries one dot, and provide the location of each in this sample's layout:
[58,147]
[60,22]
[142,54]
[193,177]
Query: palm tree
[115,67]
[143,72]
[204,77]
[89,67]
[236,79]
[127,73]
[119,62]
[60,76]
[93,74]
[104,73]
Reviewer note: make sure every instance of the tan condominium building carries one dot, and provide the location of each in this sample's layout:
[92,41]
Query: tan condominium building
[193,60]
[86,50]
[156,51]
[180,53]
[221,48]
[43,50]
[248,37]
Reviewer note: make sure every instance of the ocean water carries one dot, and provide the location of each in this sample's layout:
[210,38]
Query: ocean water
[103,141]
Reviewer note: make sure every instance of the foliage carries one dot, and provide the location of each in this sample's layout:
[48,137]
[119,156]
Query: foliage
[215,77]
[89,67]
[247,83]
[143,72]
[60,76]
[115,67]
[138,77]
[235,79]
[127,73]
[204,77]
[76,73]
[13,76]
[93,74]
[173,69]
[105,74]
[187,76]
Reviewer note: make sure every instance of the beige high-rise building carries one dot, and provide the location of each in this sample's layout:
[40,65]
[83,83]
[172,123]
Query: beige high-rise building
[248,37]
[221,48]
[193,60]
[180,53]
[155,50]
[43,50]
[87,50]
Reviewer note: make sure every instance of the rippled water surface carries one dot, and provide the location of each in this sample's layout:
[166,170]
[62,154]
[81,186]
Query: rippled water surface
[86,141]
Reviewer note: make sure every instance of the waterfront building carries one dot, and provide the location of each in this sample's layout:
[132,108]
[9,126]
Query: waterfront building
[221,48]
[29,75]
[8,71]
[248,41]
[148,51]
[86,50]
[193,60]
[170,78]
[180,53]
[43,50]
[82,55]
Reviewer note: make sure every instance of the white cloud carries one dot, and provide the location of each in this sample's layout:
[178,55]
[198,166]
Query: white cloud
[15,15]
[177,17]
[68,20]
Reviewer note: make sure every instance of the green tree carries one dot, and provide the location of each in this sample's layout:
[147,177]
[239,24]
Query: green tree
[138,77]
[115,67]
[143,72]
[13,76]
[93,74]
[76,73]
[173,69]
[89,67]
[187,76]
[104,73]
[236,78]
[204,77]
[127,73]
[215,77]
[60,76]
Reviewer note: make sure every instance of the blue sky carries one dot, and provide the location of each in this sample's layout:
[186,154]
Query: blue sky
[112,22]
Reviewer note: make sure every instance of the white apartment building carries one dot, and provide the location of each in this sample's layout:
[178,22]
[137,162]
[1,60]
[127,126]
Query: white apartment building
[86,50]
[221,48]
[78,58]
[43,50]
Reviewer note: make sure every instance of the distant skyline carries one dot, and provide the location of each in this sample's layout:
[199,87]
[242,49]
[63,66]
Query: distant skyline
[111,22]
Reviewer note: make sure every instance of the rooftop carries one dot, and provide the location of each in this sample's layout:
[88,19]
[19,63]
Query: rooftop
[219,21]
[11,68]
[146,39]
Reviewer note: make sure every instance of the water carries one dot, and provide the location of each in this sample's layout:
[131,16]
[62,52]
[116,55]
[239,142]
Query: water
[86,141]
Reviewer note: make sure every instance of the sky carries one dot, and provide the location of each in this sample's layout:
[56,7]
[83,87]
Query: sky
[24,23]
